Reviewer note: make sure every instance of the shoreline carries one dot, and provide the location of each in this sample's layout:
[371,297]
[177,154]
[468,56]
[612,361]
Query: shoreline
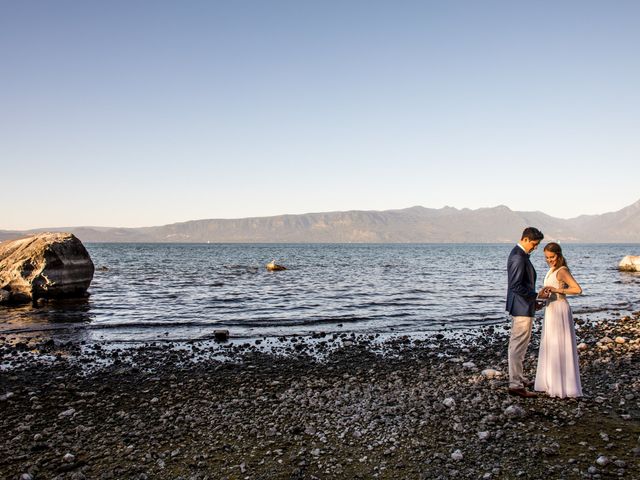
[39,339]
[342,406]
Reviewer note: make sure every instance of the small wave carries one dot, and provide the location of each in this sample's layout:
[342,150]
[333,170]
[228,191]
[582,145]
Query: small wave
[229,300]
[583,310]
[242,268]
[396,304]
[421,291]
[43,328]
[307,322]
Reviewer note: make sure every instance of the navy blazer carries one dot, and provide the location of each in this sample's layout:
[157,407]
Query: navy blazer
[521,291]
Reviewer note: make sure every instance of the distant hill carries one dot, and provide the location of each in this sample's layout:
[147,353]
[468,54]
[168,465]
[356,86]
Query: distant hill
[410,225]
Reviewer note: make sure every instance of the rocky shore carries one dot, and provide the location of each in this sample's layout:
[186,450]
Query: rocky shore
[333,406]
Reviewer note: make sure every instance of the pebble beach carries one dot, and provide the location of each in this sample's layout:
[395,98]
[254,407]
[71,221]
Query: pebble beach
[324,406]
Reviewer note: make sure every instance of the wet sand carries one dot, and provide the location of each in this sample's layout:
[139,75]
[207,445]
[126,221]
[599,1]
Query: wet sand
[335,406]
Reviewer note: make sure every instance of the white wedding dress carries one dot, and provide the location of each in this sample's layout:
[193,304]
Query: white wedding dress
[558,371]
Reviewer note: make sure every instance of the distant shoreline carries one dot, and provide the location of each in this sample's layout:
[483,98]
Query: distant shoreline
[410,225]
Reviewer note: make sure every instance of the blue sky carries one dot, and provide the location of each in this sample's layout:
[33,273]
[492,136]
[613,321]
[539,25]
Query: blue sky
[138,113]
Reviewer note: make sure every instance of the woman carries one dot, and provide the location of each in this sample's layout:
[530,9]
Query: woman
[558,371]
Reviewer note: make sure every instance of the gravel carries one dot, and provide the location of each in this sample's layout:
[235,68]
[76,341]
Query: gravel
[331,406]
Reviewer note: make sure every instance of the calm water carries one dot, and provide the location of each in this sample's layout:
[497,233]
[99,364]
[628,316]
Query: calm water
[158,291]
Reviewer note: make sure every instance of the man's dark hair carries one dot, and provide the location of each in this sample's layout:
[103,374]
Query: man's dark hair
[532,233]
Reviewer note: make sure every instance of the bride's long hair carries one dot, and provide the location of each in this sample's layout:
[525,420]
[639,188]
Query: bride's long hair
[554,247]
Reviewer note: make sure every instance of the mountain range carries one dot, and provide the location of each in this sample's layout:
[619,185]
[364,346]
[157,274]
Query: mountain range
[410,225]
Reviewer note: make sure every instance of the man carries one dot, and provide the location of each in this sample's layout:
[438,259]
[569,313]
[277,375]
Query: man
[521,304]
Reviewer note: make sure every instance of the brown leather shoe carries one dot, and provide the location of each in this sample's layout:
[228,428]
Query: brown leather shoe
[522,392]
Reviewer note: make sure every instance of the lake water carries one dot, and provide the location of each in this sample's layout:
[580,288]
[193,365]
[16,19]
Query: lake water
[185,291]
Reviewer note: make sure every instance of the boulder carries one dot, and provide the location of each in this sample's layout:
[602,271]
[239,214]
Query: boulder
[46,265]
[630,263]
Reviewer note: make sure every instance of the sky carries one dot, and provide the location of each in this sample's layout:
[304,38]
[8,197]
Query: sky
[139,113]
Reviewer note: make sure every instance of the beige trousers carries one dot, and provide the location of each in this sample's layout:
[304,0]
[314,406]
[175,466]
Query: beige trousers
[518,343]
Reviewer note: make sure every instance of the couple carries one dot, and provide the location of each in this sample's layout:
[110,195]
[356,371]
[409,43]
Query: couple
[558,372]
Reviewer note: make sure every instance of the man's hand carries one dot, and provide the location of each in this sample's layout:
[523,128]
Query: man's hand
[545,292]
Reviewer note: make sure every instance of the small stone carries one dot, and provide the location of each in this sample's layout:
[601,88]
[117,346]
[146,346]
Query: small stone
[583,346]
[469,365]
[221,335]
[69,458]
[602,460]
[449,402]
[513,411]
[67,413]
[457,455]
[6,396]
[620,340]
[26,476]
[315,452]
[605,340]
[483,435]
[490,373]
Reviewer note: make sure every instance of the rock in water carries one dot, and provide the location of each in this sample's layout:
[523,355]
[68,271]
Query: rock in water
[221,335]
[274,267]
[630,263]
[46,265]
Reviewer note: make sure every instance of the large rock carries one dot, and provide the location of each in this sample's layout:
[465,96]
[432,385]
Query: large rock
[630,263]
[47,265]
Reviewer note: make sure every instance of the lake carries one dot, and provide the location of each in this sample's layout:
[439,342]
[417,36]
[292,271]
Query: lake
[185,291]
